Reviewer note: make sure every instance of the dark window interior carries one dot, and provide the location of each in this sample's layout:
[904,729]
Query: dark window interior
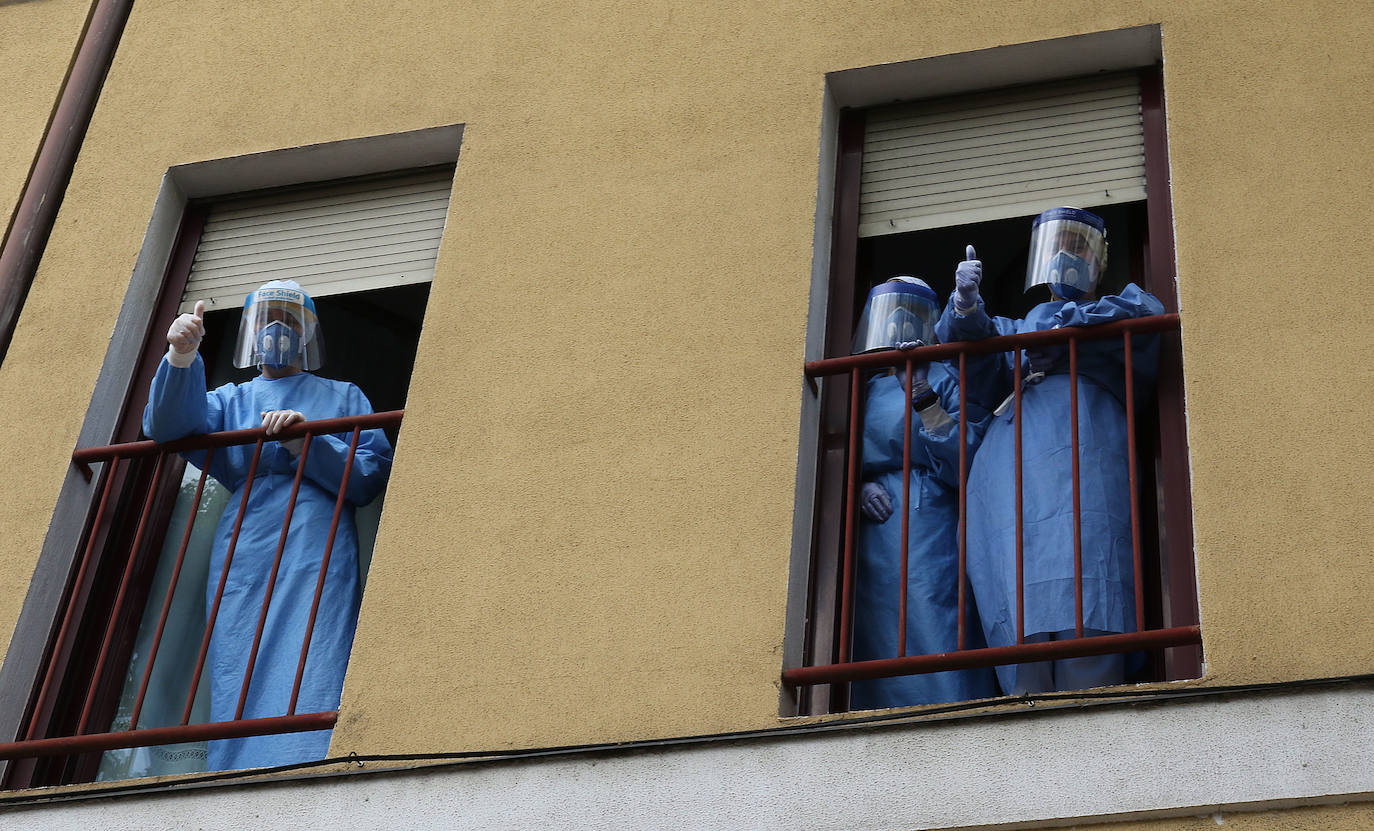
[1003,245]
[369,339]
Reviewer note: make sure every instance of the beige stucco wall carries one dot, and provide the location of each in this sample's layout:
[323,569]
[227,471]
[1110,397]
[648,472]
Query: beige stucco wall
[37,41]
[588,528]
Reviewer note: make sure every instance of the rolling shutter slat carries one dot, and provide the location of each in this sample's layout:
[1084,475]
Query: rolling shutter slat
[332,239]
[1001,155]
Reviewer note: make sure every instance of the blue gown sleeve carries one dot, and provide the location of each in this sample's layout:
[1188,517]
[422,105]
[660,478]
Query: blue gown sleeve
[989,376]
[324,464]
[1132,302]
[938,450]
[178,404]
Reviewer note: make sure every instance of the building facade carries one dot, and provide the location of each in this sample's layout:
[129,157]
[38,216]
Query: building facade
[598,554]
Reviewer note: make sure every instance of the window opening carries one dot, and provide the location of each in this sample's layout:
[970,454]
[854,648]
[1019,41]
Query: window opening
[976,170]
[368,269]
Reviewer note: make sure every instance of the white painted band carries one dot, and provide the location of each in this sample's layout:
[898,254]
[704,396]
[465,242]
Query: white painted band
[1179,757]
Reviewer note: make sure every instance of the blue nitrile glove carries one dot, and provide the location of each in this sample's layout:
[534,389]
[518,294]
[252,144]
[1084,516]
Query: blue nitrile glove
[967,278]
[875,502]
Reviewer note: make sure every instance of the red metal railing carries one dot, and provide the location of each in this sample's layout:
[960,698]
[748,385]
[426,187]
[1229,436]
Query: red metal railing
[113,457]
[844,669]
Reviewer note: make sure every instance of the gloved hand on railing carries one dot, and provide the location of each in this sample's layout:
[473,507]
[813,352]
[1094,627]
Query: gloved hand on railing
[274,421]
[185,335]
[875,502]
[967,277]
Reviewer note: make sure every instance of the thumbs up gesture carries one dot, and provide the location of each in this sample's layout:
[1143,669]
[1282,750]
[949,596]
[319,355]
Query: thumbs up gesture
[967,278]
[187,331]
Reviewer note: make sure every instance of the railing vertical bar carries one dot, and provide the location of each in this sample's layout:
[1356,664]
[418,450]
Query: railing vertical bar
[121,594]
[1017,384]
[902,598]
[171,591]
[1137,558]
[963,500]
[1077,506]
[850,518]
[223,579]
[272,578]
[324,569]
[70,612]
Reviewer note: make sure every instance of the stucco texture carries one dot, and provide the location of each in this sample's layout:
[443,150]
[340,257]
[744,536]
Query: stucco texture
[588,529]
[37,41]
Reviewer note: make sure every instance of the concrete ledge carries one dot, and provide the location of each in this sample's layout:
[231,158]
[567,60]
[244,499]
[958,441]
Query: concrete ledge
[1041,769]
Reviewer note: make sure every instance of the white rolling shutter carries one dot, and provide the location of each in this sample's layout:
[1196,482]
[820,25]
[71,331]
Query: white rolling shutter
[1002,154]
[336,238]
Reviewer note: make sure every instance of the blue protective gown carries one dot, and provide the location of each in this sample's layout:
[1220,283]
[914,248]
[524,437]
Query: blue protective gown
[178,405]
[933,554]
[1047,498]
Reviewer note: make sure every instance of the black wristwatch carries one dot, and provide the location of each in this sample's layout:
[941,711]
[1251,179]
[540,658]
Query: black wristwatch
[930,399]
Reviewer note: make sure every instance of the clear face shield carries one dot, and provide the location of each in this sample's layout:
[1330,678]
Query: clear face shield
[901,310]
[279,329]
[1068,252]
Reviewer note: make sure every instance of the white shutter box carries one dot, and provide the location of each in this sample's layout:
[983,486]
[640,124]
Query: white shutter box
[996,155]
[333,238]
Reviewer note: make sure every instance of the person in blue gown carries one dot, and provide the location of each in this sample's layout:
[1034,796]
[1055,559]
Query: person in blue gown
[281,336]
[900,314]
[1068,253]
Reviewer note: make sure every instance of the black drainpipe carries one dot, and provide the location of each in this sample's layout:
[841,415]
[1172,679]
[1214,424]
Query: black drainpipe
[52,167]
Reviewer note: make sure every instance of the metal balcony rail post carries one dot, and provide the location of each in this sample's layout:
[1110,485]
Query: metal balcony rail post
[324,569]
[117,456]
[1083,644]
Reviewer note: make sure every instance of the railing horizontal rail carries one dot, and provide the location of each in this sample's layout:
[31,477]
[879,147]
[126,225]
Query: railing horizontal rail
[136,449]
[1001,343]
[150,736]
[993,656]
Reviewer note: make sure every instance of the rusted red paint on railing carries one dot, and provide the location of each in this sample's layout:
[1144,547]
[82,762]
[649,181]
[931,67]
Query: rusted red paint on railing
[1077,505]
[1137,558]
[135,449]
[902,598]
[993,656]
[962,619]
[1017,388]
[223,580]
[324,567]
[116,456]
[851,490]
[272,578]
[46,689]
[171,590]
[132,557]
[1001,343]
[152,736]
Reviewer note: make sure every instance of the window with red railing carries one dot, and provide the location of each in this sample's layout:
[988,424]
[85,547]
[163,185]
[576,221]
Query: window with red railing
[915,184]
[161,655]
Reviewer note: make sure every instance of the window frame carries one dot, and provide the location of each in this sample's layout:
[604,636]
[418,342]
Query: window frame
[1171,580]
[45,656]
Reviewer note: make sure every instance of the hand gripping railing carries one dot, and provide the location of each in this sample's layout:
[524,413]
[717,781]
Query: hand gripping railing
[113,456]
[1021,652]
